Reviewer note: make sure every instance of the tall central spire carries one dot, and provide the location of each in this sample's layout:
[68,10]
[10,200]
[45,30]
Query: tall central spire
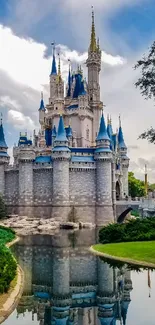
[93,45]
[54,69]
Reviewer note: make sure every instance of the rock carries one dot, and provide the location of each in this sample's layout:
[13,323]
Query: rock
[69,225]
[87,225]
[46,227]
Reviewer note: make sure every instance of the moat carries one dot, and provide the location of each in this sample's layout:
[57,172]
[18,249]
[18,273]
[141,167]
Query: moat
[66,285]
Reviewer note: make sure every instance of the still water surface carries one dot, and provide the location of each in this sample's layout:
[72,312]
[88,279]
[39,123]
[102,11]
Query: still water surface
[66,285]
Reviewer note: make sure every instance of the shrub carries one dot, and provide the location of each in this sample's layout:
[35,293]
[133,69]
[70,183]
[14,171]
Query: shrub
[8,264]
[133,230]
[8,268]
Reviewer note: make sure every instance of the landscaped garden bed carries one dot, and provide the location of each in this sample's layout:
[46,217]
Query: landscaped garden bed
[133,241]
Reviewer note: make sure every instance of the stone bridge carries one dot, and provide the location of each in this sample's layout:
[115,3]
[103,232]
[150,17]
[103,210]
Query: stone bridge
[123,205]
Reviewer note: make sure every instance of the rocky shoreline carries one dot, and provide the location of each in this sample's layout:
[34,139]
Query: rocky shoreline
[24,225]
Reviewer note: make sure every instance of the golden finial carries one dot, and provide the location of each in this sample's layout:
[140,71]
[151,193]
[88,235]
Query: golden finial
[93,45]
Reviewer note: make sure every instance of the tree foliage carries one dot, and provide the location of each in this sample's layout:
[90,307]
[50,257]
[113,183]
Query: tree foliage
[146,84]
[136,186]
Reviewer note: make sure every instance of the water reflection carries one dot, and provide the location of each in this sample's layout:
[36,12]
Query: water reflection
[66,285]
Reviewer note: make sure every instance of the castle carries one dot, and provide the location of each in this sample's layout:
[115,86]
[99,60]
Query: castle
[76,167]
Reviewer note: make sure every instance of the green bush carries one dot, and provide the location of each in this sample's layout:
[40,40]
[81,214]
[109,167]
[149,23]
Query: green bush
[8,268]
[8,264]
[133,230]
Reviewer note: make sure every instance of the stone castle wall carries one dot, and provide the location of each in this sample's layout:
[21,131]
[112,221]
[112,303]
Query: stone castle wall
[62,190]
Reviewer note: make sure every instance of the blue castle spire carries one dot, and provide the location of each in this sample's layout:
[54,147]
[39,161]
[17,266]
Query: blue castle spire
[54,132]
[2,138]
[69,83]
[121,142]
[42,106]
[54,68]
[82,90]
[61,134]
[102,135]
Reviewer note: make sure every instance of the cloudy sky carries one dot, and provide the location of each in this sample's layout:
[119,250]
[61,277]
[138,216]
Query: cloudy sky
[126,29]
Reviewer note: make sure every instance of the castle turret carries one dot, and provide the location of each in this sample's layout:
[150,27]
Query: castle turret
[103,157]
[94,66]
[61,157]
[4,159]
[124,159]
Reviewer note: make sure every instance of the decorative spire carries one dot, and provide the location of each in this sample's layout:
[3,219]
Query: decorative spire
[93,45]
[69,81]
[1,118]
[121,142]
[108,119]
[42,106]
[98,44]
[102,135]
[54,69]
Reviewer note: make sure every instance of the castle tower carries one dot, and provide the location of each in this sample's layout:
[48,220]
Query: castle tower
[124,159]
[94,66]
[26,158]
[4,159]
[59,99]
[53,79]
[103,157]
[61,157]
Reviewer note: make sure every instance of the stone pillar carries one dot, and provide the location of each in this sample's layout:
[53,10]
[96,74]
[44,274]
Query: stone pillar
[61,272]
[105,278]
[113,188]
[26,182]
[104,207]
[61,207]
[2,179]
[125,180]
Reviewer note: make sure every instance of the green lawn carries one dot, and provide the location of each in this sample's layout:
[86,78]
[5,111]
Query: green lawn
[139,251]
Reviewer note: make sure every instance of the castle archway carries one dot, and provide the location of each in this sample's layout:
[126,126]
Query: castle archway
[118,191]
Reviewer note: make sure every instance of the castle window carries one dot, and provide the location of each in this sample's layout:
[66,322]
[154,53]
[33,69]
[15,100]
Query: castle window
[56,108]
[87,134]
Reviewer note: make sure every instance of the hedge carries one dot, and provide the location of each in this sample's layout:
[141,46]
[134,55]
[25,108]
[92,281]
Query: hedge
[133,230]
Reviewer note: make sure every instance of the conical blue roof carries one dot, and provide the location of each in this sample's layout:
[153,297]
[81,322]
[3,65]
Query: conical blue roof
[42,106]
[106,320]
[2,138]
[124,310]
[61,134]
[77,89]
[69,84]
[54,68]
[82,90]
[109,130]
[121,142]
[102,135]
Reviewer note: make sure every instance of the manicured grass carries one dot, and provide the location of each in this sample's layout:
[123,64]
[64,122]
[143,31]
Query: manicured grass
[139,251]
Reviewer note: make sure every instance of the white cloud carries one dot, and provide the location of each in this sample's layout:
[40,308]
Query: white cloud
[20,121]
[24,71]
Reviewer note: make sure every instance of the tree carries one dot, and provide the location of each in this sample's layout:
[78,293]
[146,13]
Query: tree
[136,186]
[2,208]
[146,84]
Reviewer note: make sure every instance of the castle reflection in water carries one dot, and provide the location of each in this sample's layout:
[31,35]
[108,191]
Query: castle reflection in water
[66,285]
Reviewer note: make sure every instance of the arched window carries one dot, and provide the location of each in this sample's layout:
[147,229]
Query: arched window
[87,133]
